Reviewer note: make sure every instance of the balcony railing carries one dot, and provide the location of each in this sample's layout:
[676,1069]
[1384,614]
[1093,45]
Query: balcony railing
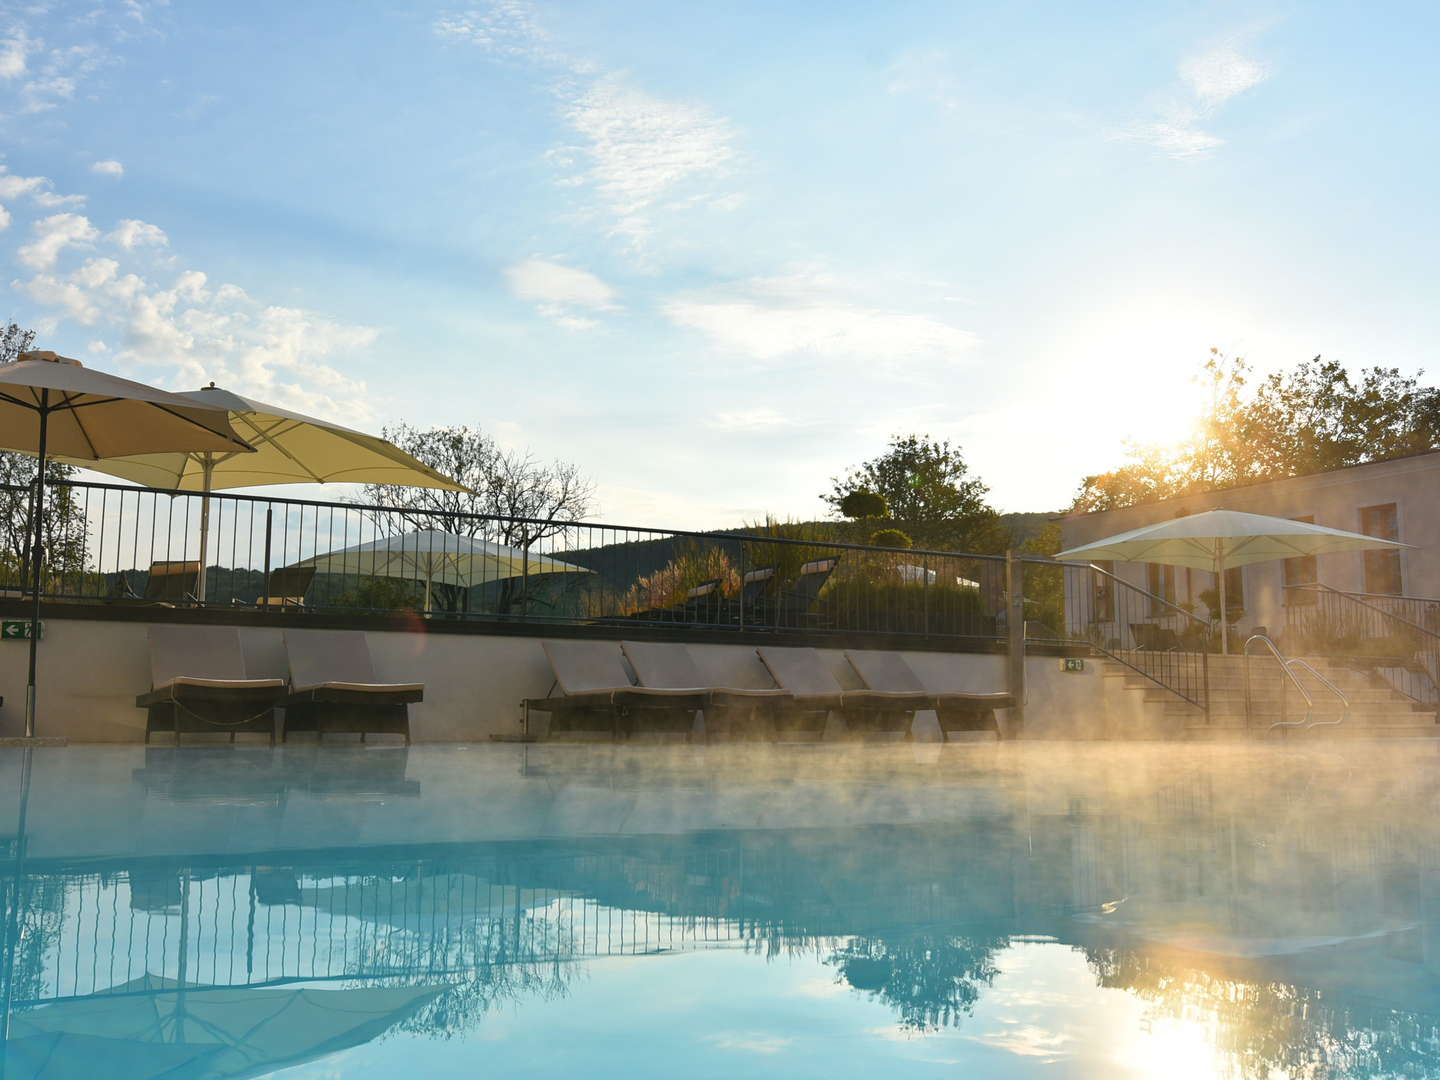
[117,544]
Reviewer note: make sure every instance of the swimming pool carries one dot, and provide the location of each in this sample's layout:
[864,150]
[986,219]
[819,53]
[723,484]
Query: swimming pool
[1005,911]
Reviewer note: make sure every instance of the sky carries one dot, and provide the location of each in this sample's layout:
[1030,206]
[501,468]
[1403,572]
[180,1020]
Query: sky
[718,254]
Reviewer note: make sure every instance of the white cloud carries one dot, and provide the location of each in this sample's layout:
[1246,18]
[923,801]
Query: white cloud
[186,326]
[804,315]
[1208,81]
[13,51]
[641,155]
[12,186]
[1216,76]
[749,1042]
[108,168]
[97,272]
[132,233]
[52,235]
[640,151]
[50,291]
[558,290]
[38,188]
[4,218]
[49,200]
[506,28]
[756,419]
[1180,137]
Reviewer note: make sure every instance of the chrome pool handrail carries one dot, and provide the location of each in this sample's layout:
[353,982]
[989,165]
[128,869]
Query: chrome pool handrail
[1344,698]
[1285,670]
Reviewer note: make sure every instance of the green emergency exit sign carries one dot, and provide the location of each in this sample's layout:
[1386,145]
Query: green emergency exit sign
[17,630]
[1072,663]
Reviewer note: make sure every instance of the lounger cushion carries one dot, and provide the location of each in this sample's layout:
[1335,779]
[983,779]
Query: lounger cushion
[222,684]
[322,656]
[667,664]
[364,688]
[583,667]
[884,671]
[801,671]
[195,652]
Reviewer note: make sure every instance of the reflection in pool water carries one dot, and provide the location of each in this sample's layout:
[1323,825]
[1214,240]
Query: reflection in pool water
[1170,911]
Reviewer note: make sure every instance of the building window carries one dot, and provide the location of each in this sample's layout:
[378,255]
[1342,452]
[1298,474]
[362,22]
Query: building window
[1302,570]
[1235,590]
[1382,568]
[1104,599]
[1161,586]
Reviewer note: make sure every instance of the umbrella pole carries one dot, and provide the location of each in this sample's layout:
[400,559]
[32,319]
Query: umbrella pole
[1224,612]
[37,556]
[207,472]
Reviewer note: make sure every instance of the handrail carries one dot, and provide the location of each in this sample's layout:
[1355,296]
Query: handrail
[1344,698]
[559,524]
[1038,560]
[1285,670]
[1354,598]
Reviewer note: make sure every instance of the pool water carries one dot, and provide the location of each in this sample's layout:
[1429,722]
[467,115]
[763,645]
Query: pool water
[660,911]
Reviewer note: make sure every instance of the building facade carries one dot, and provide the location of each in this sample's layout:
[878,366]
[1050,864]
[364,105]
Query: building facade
[1397,499]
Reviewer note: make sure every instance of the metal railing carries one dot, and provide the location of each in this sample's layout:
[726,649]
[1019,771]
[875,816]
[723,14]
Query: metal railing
[128,545]
[1288,678]
[1149,634]
[1388,635]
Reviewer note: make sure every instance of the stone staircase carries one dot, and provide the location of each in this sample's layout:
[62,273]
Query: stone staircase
[1377,710]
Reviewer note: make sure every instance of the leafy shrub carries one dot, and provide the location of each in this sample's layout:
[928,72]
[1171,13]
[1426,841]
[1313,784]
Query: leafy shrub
[891,538]
[892,606]
[669,586]
[864,504]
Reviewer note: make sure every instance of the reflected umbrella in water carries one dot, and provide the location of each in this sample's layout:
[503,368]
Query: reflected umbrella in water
[158,1027]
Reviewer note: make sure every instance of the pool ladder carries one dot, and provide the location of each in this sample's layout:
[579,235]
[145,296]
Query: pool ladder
[1287,668]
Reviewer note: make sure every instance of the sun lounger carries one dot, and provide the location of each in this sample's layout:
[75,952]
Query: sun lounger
[198,683]
[287,587]
[957,710]
[799,597]
[866,712]
[701,605]
[333,688]
[728,710]
[167,583]
[596,694]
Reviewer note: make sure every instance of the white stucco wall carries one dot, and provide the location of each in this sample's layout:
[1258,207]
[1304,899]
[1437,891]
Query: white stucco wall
[1334,499]
[91,670]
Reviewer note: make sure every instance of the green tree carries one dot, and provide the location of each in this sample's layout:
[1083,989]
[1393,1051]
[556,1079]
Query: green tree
[930,492]
[63,517]
[513,499]
[1309,419]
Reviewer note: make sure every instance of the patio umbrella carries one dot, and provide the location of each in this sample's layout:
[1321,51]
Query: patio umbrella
[1217,540]
[430,555]
[154,1026]
[290,448]
[52,407]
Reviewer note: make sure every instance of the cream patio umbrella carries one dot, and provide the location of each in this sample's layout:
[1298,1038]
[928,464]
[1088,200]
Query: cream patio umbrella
[430,555]
[1217,540]
[290,448]
[55,408]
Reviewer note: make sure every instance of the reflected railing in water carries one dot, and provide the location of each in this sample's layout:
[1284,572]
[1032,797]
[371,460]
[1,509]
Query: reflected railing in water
[1302,930]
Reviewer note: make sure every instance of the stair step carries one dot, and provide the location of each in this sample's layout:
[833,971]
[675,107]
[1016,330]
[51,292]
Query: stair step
[1201,733]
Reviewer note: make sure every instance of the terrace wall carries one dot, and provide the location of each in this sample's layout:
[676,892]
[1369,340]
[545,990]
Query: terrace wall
[92,665]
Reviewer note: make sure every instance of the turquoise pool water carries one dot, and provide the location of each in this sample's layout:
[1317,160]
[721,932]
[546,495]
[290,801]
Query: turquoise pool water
[919,911]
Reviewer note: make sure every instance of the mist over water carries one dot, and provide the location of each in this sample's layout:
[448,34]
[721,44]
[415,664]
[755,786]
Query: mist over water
[1009,910]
